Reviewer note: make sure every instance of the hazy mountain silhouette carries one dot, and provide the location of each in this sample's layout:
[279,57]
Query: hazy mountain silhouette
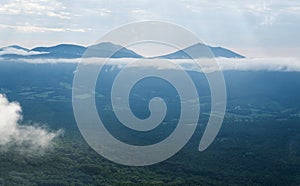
[107,49]
[202,51]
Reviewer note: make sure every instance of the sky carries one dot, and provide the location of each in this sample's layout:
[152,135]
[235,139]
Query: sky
[254,28]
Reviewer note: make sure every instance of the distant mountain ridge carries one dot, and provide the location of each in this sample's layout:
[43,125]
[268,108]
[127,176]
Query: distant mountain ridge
[200,50]
[107,49]
[18,47]
[70,51]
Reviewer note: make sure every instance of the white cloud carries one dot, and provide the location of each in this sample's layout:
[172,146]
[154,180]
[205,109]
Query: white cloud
[104,11]
[51,8]
[244,64]
[11,50]
[287,64]
[258,64]
[292,10]
[31,28]
[23,138]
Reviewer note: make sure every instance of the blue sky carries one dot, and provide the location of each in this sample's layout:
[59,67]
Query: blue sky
[254,28]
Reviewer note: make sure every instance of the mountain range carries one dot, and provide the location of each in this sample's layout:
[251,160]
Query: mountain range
[105,49]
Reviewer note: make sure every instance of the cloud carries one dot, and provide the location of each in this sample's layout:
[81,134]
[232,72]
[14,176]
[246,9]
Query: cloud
[47,60]
[244,64]
[12,50]
[261,64]
[31,28]
[51,8]
[22,138]
[287,64]
[104,11]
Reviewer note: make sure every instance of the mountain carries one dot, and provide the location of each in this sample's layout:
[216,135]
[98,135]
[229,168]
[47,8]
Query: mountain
[60,51]
[18,47]
[14,47]
[68,51]
[107,49]
[200,51]
[14,51]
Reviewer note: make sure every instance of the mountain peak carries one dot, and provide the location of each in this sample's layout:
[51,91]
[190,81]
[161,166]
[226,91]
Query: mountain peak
[58,48]
[15,47]
[200,50]
[105,46]
[108,49]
